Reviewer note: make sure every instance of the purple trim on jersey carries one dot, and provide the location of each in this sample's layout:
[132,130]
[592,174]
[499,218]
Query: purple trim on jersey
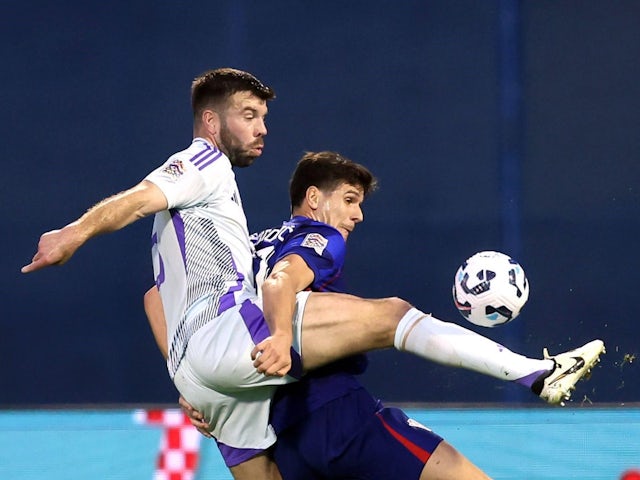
[254,321]
[178,226]
[161,276]
[228,300]
[234,456]
[207,160]
[206,157]
[259,330]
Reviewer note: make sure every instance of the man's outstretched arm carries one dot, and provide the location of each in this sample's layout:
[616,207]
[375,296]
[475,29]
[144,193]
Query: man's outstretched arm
[58,246]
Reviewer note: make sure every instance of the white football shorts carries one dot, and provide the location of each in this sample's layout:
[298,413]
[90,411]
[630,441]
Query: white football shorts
[218,378]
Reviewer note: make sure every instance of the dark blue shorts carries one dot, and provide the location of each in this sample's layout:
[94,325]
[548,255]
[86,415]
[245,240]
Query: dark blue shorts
[355,437]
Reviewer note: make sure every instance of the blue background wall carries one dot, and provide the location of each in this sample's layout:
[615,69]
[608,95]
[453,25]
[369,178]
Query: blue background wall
[491,125]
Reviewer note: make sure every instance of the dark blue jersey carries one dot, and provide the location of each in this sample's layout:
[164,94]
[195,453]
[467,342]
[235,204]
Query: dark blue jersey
[323,249]
[320,245]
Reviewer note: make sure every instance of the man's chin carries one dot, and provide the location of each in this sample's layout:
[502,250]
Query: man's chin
[242,162]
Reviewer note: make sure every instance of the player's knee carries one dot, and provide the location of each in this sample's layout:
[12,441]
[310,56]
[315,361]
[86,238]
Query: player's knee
[400,305]
[388,313]
[396,308]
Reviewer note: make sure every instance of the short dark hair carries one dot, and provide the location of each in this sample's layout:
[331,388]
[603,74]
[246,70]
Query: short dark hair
[326,171]
[214,87]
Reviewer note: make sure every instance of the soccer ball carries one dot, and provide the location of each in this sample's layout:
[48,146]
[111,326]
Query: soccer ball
[490,289]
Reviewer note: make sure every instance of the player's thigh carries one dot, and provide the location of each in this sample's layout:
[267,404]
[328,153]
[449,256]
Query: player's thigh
[353,437]
[258,467]
[391,445]
[217,376]
[238,420]
[288,455]
[337,325]
[219,353]
[447,463]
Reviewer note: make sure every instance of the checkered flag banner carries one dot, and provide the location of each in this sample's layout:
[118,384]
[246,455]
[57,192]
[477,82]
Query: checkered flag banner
[179,447]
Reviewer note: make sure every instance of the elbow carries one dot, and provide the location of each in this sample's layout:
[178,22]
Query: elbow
[278,286]
[269,287]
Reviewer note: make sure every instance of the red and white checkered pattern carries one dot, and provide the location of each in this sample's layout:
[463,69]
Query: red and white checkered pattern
[179,446]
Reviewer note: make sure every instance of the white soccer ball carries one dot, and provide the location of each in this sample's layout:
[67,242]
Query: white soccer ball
[490,289]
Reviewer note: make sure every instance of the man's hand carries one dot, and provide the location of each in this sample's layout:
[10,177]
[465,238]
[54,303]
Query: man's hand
[195,417]
[55,248]
[272,356]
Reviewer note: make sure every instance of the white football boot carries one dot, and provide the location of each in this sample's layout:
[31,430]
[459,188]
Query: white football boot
[570,367]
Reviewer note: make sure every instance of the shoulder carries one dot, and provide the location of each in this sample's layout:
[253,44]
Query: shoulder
[201,156]
[318,237]
[192,175]
[307,226]
[317,234]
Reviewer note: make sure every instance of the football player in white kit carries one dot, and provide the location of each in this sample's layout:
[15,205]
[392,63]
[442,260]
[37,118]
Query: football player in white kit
[202,260]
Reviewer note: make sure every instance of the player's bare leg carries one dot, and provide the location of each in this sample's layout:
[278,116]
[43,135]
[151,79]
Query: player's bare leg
[446,463]
[261,466]
[337,325]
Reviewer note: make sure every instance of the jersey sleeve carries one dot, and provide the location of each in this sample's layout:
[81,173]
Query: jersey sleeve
[183,184]
[322,248]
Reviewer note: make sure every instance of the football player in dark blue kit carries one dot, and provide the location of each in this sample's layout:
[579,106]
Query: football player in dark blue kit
[328,425]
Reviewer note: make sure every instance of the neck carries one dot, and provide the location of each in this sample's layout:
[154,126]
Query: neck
[304,212]
[199,133]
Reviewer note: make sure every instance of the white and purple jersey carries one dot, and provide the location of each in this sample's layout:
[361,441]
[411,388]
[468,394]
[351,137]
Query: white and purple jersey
[202,256]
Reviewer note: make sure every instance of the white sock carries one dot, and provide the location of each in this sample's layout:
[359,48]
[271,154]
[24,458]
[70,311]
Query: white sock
[452,345]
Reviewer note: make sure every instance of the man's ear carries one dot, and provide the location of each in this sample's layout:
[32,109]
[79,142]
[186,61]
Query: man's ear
[312,197]
[210,121]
